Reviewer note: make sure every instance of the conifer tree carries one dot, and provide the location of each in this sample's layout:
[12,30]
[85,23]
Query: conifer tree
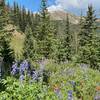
[18,16]
[3,22]
[15,14]
[59,51]
[68,40]
[24,24]
[2,14]
[64,48]
[29,18]
[30,44]
[5,51]
[88,46]
[44,21]
[20,20]
[44,31]
[35,23]
[88,27]
[81,21]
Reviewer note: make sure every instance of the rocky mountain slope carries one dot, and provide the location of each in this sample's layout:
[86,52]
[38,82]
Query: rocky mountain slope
[61,15]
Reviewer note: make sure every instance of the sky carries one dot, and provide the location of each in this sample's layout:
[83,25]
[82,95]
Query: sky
[73,6]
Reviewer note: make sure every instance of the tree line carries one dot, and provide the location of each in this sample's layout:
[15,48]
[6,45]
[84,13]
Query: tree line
[42,40]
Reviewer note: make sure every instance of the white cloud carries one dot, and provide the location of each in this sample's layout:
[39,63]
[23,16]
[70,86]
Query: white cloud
[55,7]
[67,4]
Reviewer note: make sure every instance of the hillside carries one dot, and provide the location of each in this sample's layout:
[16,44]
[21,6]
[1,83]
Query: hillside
[61,15]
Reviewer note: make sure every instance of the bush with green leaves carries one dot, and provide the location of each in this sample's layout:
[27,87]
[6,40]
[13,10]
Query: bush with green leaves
[14,90]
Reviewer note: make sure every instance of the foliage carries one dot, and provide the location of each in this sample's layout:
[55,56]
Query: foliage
[84,80]
[5,50]
[44,32]
[65,81]
[61,78]
[20,17]
[26,91]
[30,45]
[88,43]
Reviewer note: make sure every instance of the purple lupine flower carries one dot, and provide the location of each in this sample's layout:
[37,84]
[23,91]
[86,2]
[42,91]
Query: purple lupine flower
[24,66]
[21,78]
[14,68]
[70,95]
[34,75]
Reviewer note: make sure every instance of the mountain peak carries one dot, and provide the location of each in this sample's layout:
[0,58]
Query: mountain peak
[61,15]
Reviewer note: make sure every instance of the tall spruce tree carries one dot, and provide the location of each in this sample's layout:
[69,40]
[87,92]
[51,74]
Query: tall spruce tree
[5,51]
[68,40]
[29,18]
[44,31]
[88,46]
[30,44]
[44,21]
[19,17]
[15,14]
[64,48]
[59,51]
[24,23]
[88,27]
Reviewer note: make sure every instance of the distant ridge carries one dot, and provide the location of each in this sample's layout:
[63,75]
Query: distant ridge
[61,15]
